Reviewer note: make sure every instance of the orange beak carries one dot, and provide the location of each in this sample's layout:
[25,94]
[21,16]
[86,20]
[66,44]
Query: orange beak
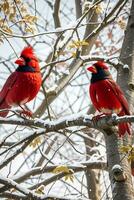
[92,69]
[20,61]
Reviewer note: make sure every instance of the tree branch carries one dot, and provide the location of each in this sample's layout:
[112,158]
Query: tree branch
[70,121]
[13,184]
[49,169]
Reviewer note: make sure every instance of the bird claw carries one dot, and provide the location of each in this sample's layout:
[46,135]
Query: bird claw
[97,117]
[26,113]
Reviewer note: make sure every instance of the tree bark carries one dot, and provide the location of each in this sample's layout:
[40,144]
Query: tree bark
[123,190]
[92,176]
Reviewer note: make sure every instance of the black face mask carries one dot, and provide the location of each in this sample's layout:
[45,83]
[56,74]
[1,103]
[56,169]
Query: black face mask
[26,67]
[100,75]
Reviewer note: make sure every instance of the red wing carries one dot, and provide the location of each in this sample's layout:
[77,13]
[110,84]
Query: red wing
[7,86]
[118,92]
[93,97]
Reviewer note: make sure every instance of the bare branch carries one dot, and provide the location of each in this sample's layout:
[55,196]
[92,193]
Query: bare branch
[13,184]
[49,169]
[72,120]
[56,14]
[78,8]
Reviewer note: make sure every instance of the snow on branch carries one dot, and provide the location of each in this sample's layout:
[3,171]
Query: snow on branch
[48,169]
[44,197]
[69,121]
[13,184]
[114,61]
[16,180]
[56,125]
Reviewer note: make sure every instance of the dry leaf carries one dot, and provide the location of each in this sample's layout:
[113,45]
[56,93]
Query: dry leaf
[77,44]
[131,157]
[126,149]
[61,168]
[69,177]
[65,169]
[35,142]
[30,29]
[40,190]
[73,54]
[7,29]
[122,24]
[99,8]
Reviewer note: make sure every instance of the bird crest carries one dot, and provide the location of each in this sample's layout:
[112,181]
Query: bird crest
[101,64]
[27,51]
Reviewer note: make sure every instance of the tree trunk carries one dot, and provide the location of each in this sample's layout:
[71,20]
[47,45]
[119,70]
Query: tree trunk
[123,190]
[92,176]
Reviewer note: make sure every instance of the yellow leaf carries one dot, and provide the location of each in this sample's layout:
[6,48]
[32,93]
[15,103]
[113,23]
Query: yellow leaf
[99,8]
[65,169]
[72,178]
[71,46]
[129,150]
[126,149]
[131,158]
[84,43]
[73,54]
[18,1]
[23,9]
[7,29]
[30,29]
[34,18]
[35,142]
[5,6]
[11,16]
[40,190]
[69,177]
[30,18]
[13,10]
[60,169]
[77,44]
[122,24]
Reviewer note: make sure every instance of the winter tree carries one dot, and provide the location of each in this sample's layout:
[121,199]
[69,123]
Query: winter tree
[61,153]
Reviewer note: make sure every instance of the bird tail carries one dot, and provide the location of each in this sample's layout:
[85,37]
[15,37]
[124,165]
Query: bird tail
[124,127]
[4,105]
[132,167]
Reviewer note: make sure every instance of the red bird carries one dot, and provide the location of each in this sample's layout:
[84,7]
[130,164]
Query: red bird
[23,84]
[107,96]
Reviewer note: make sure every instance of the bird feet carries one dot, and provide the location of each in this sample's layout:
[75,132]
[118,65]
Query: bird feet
[97,117]
[26,113]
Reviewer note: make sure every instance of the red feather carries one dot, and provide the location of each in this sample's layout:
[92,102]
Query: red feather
[108,97]
[27,51]
[4,92]
[101,64]
[23,84]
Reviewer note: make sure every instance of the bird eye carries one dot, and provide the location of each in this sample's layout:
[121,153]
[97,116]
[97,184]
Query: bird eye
[26,59]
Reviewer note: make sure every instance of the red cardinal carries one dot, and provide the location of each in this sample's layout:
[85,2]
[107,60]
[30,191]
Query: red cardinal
[23,84]
[107,96]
